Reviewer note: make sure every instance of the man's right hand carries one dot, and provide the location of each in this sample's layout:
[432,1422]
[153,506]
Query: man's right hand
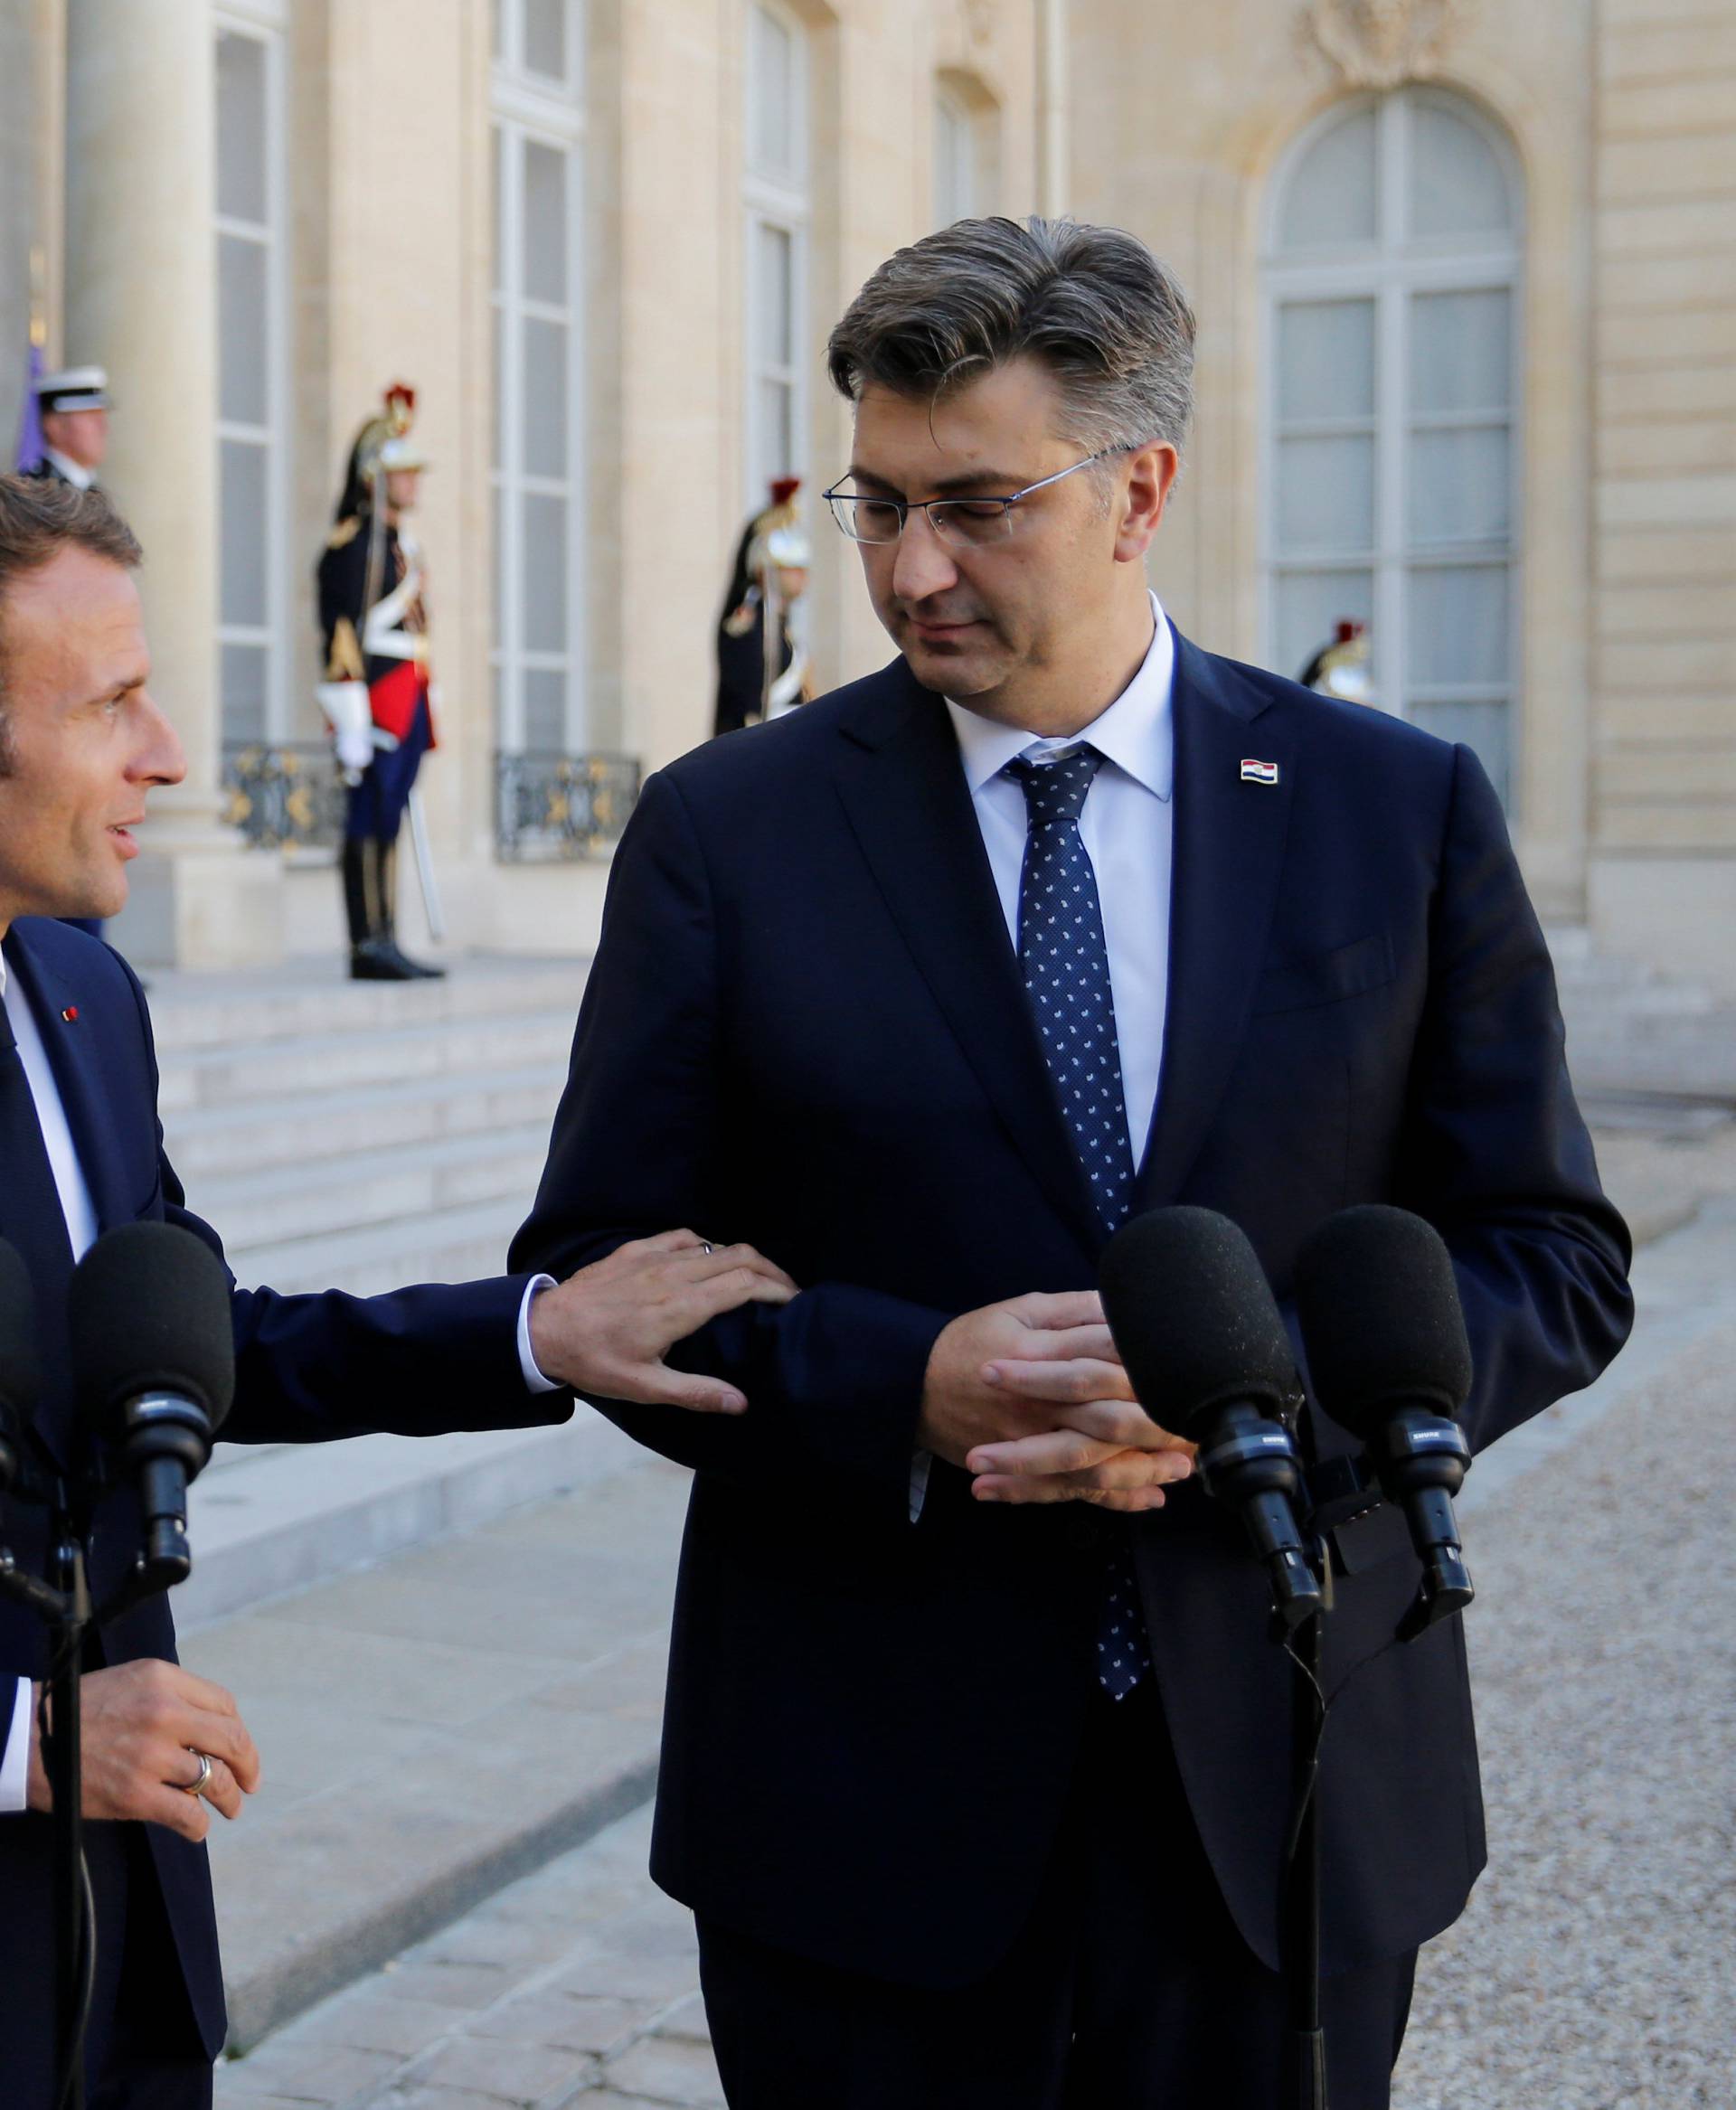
[144,1725]
[1040,1373]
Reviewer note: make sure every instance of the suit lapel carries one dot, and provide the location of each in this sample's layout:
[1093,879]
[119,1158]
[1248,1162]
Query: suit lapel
[73,1046]
[1229,852]
[905,792]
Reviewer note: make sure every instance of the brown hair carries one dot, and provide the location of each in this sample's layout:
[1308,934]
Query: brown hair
[1092,303]
[39,517]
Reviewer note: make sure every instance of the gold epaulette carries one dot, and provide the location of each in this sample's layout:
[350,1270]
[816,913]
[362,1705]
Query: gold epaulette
[345,533]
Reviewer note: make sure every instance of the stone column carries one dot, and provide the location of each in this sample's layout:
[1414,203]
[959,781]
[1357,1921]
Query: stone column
[141,300]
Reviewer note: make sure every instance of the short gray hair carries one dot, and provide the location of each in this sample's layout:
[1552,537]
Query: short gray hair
[1092,303]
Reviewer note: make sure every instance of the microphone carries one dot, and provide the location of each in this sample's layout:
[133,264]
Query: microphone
[1390,1360]
[21,1376]
[1195,1322]
[154,1364]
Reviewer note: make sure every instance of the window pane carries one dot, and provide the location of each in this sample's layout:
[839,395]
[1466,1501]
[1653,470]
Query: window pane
[955,163]
[1455,621]
[240,127]
[242,314]
[544,383]
[543,562]
[1484,728]
[1330,196]
[545,710]
[1458,185]
[243,678]
[774,295]
[497,209]
[545,222]
[497,545]
[545,38]
[771,95]
[1459,486]
[241,482]
[497,421]
[777,435]
[1325,355]
[1309,607]
[1326,494]
[1461,351]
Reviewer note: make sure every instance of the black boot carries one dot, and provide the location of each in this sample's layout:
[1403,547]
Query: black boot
[411,970]
[371,958]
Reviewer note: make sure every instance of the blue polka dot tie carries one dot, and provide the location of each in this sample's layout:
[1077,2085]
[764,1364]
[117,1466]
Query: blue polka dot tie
[1066,966]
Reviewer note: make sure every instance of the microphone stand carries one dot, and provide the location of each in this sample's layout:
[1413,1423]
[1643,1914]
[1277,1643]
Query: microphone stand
[1301,1923]
[63,1605]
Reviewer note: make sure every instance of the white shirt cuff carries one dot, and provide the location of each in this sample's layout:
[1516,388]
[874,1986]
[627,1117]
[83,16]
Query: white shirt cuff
[920,1463]
[15,1768]
[534,1377]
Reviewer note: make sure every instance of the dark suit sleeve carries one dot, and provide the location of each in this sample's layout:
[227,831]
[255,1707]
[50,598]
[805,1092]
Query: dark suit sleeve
[419,1362]
[833,1379]
[1496,1153]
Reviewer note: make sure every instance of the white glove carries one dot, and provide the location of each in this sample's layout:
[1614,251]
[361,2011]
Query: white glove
[354,745]
[350,715]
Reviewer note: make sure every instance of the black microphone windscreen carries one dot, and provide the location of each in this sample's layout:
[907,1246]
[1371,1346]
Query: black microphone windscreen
[20,1375]
[1194,1317]
[1381,1317]
[150,1312]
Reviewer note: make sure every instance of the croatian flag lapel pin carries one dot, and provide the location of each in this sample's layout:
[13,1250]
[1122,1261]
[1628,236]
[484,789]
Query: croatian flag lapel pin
[1260,772]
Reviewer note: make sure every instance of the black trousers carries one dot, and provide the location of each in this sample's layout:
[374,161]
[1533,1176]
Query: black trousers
[1129,1988]
[142,2048]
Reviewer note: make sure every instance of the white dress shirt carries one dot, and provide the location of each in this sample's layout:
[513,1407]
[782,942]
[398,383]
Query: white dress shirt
[1126,827]
[82,1230]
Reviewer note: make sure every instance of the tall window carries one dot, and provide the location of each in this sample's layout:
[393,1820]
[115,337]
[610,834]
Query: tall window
[777,197]
[1393,271]
[958,187]
[252,479]
[538,277]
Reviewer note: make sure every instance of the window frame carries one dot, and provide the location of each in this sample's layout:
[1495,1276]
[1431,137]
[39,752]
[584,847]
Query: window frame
[780,199]
[529,109]
[264,23]
[1392,271]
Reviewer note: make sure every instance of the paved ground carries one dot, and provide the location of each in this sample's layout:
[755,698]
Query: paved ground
[1593,1971]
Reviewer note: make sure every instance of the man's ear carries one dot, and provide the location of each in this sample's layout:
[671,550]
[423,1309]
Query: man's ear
[1151,477]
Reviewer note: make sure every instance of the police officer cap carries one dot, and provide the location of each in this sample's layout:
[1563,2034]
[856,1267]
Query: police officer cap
[75,388]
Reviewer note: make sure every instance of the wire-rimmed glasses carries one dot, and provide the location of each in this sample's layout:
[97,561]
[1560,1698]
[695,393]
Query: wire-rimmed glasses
[973,522]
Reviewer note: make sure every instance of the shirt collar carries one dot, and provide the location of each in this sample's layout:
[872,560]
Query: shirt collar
[74,472]
[1134,733]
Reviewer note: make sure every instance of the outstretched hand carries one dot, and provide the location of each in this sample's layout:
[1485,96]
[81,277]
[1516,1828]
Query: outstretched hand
[608,1328]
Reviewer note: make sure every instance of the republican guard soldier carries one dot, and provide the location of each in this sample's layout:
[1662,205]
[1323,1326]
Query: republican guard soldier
[375,695]
[761,667]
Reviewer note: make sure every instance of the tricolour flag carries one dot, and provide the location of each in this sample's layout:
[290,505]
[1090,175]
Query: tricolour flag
[1260,772]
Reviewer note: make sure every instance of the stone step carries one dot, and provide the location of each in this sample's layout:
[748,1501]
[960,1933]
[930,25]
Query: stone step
[214,1143]
[433,1727]
[457,1245]
[305,1070]
[415,1184]
[304,999]
[266,1520]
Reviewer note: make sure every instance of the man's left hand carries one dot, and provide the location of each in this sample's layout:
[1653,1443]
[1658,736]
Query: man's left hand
[1104,1449]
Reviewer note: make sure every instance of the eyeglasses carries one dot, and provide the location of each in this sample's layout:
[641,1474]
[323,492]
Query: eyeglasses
[966,523]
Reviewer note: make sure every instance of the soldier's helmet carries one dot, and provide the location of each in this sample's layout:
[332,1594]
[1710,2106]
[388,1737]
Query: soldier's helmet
[384,443]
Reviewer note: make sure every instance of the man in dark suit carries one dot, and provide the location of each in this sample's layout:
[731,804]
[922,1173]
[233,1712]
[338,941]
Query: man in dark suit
[81,744]
[977,1757]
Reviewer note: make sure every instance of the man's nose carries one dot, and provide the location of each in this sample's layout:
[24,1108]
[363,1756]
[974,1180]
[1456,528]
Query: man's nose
[923,565]
[159,758]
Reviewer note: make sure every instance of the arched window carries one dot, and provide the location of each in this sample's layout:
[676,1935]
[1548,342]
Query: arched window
[1393,253]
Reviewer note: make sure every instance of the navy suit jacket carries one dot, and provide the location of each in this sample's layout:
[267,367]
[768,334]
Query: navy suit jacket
[806,1027]
[418,1362]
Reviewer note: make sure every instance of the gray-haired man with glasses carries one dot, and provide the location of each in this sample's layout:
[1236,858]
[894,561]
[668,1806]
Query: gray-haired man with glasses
[977,1762]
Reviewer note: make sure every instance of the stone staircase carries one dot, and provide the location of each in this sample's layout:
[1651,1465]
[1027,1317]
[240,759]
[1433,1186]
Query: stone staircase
[361,1136]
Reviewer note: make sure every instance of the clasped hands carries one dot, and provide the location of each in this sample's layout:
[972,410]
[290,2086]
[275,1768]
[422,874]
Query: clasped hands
[1029,1397]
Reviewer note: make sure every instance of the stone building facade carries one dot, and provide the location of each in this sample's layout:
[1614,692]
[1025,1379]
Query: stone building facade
[1466,282]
